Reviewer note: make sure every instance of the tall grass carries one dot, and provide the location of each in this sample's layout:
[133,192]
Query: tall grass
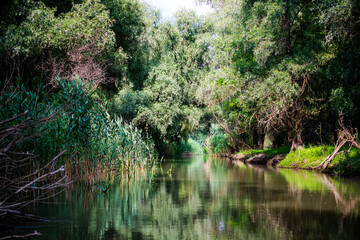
[97,145]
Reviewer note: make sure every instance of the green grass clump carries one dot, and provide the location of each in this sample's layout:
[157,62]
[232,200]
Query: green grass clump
[272,152]
[306,157]
[347,162]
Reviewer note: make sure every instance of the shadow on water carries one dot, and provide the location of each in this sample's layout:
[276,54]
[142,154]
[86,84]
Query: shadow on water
[207,198]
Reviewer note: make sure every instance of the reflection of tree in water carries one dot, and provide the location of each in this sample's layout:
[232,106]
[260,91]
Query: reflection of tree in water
[212,200]
[346,203]
[337,200]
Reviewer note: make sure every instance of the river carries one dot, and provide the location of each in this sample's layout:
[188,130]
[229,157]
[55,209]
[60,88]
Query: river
[207,198]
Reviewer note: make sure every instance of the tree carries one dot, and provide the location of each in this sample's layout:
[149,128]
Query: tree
[173,81]
[268,82]
[132,19]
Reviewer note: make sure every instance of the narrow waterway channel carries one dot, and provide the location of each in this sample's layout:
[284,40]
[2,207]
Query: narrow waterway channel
[207,198]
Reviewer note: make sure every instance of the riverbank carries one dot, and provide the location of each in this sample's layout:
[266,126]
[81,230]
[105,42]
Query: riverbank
[346,163]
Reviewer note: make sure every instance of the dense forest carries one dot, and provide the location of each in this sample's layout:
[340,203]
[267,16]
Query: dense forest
[90,86]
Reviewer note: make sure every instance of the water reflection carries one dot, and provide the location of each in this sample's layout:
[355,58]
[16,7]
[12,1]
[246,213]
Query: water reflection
[205,198]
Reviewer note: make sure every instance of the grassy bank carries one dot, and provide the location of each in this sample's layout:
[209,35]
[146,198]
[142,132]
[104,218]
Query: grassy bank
[346,163]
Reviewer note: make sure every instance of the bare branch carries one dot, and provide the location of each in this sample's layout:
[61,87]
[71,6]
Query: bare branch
[346,136]
[13,118]
[61,169]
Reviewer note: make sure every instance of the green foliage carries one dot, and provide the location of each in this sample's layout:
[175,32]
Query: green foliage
[341,101]
[128,21]
[271,62]
[110,140]
[347,163]
[14,12]
[129,25]
[190,146]
[217,141]
[42,30]
[218,144]
[127,103]
[61,5]
[253,67]
[77,41]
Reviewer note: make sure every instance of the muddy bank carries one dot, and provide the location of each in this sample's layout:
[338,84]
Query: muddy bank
[259,158]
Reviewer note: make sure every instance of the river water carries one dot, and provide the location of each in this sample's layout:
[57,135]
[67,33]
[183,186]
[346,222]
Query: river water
[206,198]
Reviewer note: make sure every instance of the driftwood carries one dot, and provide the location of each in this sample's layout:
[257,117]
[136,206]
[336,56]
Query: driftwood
[346,136]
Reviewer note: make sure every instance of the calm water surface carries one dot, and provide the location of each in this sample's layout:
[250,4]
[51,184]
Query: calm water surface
[205,198]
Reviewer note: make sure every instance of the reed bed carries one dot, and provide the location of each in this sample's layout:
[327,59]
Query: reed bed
[97,145]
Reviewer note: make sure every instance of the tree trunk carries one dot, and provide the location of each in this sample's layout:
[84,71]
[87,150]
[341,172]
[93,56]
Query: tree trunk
[296,141]
[286,30]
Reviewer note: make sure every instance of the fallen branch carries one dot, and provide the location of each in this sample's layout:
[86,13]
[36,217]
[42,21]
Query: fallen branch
[61,169]
[34,173]
[23,181]
[329,158]
[16,185]
[30,235]
[54,185]
[346,136]
[21,214]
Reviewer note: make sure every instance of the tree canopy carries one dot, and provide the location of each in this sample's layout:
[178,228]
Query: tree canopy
[250,69]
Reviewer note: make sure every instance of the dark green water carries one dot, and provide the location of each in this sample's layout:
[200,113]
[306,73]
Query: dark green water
[204,198]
